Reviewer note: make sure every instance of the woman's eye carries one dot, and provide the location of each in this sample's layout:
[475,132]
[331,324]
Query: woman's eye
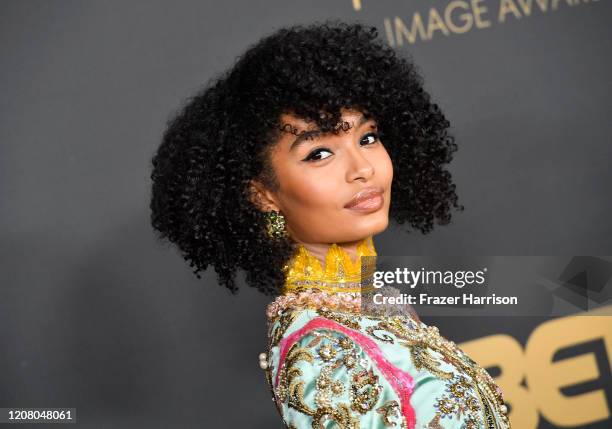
[373,138]
[320,154]
[315,155]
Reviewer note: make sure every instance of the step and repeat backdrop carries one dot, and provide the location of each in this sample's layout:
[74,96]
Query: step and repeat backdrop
[97,316]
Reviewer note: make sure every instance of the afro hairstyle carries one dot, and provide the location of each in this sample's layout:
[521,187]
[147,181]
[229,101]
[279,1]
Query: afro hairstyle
[220,139]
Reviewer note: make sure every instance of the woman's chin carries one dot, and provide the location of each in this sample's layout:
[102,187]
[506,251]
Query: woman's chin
[371,226]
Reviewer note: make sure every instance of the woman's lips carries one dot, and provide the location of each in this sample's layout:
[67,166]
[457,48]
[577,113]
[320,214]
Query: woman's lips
[368,200]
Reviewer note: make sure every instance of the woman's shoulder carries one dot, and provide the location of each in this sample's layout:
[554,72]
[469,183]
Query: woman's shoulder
[292,323]
[322,366]
[374,369]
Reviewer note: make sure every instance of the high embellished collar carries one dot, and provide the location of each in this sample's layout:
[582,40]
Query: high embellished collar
[340,274]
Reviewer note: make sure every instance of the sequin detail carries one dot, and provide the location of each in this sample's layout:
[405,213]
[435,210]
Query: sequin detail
[341,274]
[401,381]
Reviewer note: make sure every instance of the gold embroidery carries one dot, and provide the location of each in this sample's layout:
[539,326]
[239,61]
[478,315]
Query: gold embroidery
[435,423]
[416,343]
[384,336]
[363,401]
[422,358]
[327,352]
[471,393]
[345,343]
[349,360]
[333,352]
[340,273]
[315,341]
[470,423]
[279,329]
[388,410]
[341,415]
[326,388]
[458,400]
[420,339]
[289,384]
[348,320]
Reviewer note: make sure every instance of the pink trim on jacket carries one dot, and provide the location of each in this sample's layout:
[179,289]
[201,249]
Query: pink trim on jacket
[401,381]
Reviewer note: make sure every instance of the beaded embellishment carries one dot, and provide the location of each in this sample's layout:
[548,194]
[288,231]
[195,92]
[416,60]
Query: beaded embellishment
[347,302]
[343,317]
[312,298]
[341,274]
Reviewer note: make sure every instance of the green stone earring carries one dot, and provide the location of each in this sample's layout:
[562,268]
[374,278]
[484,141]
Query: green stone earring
[276,224]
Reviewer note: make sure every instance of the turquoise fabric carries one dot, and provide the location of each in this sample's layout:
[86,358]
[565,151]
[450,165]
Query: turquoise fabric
[331,378]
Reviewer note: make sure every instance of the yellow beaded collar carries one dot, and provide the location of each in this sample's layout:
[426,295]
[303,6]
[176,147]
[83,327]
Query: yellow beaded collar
[304,270]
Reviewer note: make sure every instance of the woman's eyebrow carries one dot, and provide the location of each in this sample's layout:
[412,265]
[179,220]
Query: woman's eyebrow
[301,138]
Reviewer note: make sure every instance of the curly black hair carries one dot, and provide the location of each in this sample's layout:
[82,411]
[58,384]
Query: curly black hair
[221,138]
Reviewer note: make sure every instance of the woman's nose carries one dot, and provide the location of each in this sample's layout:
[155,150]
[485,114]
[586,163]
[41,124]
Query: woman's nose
[358,166]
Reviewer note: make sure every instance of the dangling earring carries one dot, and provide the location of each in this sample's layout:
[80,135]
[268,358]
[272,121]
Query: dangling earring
[276,224]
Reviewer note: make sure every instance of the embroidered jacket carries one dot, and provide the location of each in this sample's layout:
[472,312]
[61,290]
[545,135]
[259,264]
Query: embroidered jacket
[341,368]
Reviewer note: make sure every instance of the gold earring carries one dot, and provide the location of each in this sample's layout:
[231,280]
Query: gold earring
[276,224]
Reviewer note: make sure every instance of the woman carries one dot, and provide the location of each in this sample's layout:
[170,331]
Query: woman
[285,167]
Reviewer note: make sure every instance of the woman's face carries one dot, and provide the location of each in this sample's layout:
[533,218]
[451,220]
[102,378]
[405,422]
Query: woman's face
[319,178]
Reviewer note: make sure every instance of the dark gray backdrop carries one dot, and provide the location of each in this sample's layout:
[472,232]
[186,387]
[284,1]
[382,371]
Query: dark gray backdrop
[94,314]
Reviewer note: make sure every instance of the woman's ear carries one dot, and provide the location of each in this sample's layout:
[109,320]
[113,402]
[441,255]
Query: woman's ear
[261,197]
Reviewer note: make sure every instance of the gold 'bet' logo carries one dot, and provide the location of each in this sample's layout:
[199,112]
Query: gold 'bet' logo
[560,355]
